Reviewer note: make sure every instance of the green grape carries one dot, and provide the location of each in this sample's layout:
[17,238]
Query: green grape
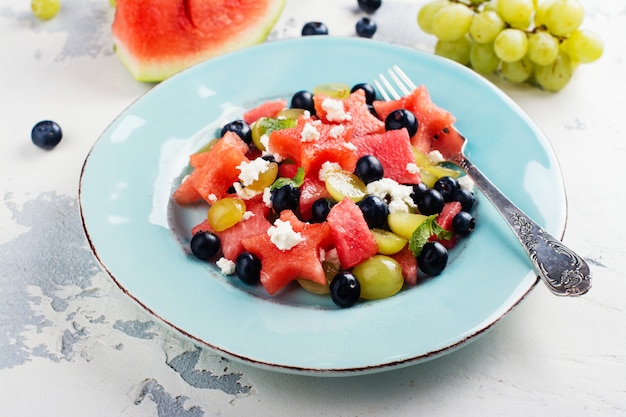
[457,50]
[404,224]
[334,90]
[485,26]
[555,76]
[564,17]
[543,48]
[452,22]
[518,71]
[226,213]
[540,12]
[388,242]
[45,9]
[426,14]
[584,46]
[483,59]
[341,184]
[380,277]
[517,13]
[511,45]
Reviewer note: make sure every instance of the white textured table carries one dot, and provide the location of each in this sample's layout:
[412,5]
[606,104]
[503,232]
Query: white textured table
[72,344]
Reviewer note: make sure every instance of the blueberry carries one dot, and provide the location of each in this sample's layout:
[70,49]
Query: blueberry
[433,258]
[248,268]
[463,223]
[447,186]
[366,27]
[466,198]
[204,245]
[369,6]
[370,92]
[418,189]
[46,134]
[375,211]
[430,202]
[303,100]
[345,289]
[314,28]
[369,169]
[320,209]
[239,127]
[400,118]
[286,197]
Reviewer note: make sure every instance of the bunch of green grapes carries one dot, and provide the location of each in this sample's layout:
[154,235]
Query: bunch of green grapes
[535,41]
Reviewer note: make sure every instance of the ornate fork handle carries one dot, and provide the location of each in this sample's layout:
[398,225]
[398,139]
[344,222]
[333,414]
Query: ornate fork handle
[563,271]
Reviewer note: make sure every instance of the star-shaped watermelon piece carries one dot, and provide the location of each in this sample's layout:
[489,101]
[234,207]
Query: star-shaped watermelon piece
[281,267]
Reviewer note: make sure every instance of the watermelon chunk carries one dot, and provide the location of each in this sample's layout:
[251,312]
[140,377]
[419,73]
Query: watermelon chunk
[281,267]
[269,108]
[311,190]
[215,170]
[432,119]
[231,238]
[155,39]
[393,150]
[408,262]
[361,120]
[444,219]
[353,240]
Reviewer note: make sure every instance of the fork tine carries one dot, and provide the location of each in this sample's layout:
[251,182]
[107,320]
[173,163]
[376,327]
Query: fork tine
[401,81]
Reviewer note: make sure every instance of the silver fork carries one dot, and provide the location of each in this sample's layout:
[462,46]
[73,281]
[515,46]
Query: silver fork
[563,271]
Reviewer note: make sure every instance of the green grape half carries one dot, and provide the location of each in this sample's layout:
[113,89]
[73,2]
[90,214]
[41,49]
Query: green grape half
[380,277]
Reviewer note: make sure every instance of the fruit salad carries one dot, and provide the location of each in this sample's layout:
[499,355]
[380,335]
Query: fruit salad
[332,190]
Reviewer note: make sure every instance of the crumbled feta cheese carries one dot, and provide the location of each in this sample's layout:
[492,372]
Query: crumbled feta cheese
[283,236]
[306,114]
[265,141]
[247,215]
[244,193]
[350,145]
[399,196]
[250,171]
[435,157]
[334,110]
[267,197]
[326,168]
[466,183]
[412,168]
[212,198]
[337,131]
[309,133]
[226,266]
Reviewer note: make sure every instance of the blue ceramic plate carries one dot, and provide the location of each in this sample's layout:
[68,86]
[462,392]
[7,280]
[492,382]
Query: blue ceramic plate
[141,237]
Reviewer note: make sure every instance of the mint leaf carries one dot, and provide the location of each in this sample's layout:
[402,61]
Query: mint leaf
[424,231]
[295,182]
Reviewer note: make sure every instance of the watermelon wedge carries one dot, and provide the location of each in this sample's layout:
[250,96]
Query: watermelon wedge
[155,39]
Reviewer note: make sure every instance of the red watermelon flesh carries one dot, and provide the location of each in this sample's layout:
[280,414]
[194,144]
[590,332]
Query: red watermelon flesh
[157,38]
[432,119]
[444,219]
[362,121]
[231,238]
[267,109]
[311,190]
[393,150]
[353,240]
[408,263]
[215,170]
[279,268]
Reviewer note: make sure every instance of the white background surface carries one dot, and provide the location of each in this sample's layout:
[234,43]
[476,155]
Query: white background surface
[73,344]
